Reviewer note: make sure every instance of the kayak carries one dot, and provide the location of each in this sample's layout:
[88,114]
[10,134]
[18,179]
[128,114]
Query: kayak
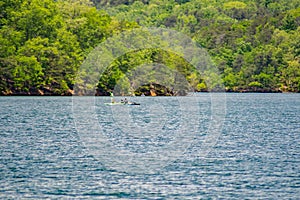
[133,103]
[120,103]
[114,104]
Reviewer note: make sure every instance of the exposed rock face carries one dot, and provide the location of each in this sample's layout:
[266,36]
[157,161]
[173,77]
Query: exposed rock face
[154,89]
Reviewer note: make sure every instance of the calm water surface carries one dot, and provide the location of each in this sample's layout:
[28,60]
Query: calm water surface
[257,155]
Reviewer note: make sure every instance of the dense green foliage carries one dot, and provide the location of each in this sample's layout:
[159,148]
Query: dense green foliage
[254,43]
[43,43]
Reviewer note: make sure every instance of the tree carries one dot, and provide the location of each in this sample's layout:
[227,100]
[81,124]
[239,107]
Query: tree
[27,75]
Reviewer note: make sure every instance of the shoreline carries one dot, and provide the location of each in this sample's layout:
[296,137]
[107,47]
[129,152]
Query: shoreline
[229,92]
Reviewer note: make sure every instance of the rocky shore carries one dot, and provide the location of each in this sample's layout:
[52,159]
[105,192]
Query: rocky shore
[146,90]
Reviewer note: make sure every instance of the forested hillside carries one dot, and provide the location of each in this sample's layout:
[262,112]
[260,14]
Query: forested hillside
[254,43]
[43,43]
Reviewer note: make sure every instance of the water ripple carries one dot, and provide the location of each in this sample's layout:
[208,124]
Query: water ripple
[256,157]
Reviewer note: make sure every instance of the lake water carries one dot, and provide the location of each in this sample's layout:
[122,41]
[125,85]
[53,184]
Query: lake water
[255,153]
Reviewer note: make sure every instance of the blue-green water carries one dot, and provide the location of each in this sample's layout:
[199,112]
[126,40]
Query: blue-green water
[256,156]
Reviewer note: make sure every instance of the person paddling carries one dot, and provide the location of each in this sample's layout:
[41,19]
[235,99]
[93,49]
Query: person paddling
[112,100]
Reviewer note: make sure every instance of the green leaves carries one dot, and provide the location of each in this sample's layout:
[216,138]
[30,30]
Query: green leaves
[254,44]
[43,43]
[27,74]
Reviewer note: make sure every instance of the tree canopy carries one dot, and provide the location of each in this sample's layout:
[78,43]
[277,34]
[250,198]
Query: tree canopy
[255,44]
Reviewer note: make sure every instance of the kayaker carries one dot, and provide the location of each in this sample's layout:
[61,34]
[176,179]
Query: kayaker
[112,98]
